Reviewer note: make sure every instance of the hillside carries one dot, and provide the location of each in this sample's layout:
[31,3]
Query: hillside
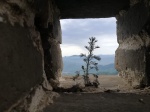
[74,63]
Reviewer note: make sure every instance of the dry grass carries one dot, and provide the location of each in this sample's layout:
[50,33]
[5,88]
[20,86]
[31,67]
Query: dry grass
[112,82]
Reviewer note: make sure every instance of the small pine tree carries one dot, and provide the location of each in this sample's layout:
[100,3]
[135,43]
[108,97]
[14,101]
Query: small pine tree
[90,59]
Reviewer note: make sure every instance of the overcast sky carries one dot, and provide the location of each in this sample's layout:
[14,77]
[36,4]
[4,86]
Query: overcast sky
[76,33]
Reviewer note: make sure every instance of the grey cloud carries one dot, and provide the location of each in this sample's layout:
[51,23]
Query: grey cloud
[78,31]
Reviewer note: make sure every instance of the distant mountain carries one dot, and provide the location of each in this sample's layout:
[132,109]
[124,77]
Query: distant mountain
[107,69]
[105,59]
[73,63]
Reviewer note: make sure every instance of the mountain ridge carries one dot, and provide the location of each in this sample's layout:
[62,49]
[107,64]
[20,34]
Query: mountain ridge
[73,63]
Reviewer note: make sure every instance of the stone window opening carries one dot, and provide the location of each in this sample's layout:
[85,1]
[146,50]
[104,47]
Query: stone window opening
[75,35]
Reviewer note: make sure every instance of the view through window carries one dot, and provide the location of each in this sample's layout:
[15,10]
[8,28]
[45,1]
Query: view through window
[76,34]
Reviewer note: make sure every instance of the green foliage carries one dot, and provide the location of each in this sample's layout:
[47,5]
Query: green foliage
[90,61]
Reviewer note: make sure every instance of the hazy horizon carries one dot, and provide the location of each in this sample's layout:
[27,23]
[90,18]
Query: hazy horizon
[97,54]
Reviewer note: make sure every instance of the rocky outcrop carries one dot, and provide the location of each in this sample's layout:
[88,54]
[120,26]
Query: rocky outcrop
[132,55]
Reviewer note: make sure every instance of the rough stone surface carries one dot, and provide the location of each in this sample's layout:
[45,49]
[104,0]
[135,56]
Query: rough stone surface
[132,22]
[132,55]
[30,37]
[21,64]
[35,101]
[131,64]
[57,34]
[91,8]
[51,38]
[56,62]
[57,59]
[24,85]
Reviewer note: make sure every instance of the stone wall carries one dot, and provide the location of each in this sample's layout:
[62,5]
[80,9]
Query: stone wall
[132,55]
[50,32]
[25,81]
[90,8]
[30,38]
